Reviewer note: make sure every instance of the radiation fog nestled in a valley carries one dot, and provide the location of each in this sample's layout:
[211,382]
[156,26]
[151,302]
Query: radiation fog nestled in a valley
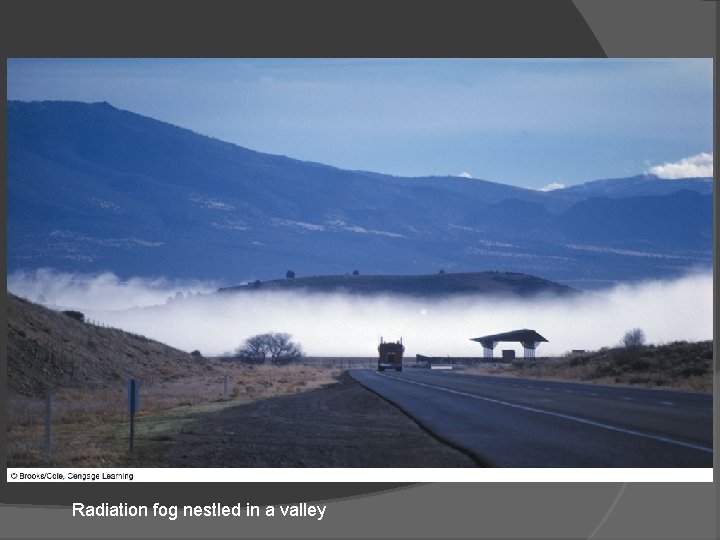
[188,316]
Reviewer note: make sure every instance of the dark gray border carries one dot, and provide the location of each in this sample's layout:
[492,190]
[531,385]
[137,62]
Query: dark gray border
[652,28]
[293,28]
[290,28]
[3,264]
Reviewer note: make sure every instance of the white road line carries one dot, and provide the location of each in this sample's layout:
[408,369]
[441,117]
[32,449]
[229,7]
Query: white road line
[666,403]
[627,398]
[578,419]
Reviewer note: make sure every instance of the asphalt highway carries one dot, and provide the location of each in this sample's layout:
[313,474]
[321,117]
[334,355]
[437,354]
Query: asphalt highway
[514,422]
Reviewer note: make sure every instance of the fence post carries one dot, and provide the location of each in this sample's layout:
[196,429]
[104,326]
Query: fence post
[133,402]
[225,387]
[48,424]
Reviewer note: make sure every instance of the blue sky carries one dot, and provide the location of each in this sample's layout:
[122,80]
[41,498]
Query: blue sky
[530,123]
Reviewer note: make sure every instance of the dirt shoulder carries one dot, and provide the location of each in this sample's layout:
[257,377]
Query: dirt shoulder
[340,425]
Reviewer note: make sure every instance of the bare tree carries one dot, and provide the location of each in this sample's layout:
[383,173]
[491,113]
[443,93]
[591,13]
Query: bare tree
[282,349]
[253,350]
[633,338]
[278,347]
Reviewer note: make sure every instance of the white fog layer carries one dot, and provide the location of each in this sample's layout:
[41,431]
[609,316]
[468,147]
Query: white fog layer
[342,325]
[100,292]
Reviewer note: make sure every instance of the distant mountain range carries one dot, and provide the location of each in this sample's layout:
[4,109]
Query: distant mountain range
[93,188]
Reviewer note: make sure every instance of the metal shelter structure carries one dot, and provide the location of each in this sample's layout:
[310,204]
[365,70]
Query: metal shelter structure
[530,339]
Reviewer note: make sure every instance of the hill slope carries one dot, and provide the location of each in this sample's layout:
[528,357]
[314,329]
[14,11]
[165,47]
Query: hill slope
[92,188]
[48,348]
[487,283]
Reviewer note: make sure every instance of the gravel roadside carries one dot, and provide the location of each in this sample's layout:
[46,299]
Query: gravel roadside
[340,425]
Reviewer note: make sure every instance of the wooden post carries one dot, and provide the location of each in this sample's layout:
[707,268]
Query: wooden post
[132,414]
[225,387]
[48,424]
[133,403]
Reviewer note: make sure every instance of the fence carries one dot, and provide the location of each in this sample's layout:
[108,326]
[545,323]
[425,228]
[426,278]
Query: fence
[91,426]
[341,362]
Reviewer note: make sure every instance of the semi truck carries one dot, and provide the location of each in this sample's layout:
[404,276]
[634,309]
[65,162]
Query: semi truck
[390,355]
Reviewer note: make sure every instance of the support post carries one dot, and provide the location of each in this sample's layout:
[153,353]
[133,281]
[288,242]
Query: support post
[133,404]
[488,347]
[529,347]
[48,425]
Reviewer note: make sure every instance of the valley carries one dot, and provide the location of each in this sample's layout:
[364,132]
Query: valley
[214,412]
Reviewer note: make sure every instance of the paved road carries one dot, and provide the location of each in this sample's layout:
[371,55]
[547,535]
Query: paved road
[514,422]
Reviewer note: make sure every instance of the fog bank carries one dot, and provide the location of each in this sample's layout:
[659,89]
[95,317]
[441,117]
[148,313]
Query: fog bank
[99,292]
[344,325]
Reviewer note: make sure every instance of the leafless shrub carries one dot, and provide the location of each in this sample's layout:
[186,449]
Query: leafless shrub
[633,338]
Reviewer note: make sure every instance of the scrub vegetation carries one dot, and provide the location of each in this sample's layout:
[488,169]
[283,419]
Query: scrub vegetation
[677,365]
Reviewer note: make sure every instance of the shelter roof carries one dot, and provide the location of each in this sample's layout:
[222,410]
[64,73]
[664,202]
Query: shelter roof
[524,335]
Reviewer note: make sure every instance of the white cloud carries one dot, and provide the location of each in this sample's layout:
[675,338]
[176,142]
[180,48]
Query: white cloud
[552,186]
[465,174]
[697,166]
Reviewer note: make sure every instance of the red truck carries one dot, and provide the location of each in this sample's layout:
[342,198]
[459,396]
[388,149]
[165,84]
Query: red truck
[390,355]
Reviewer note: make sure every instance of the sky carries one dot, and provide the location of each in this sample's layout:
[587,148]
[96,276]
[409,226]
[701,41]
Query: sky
[539,124]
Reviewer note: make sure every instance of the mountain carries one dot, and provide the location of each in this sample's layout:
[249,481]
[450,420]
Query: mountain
[93,188]
[630,221]
[643,185]
[440,284]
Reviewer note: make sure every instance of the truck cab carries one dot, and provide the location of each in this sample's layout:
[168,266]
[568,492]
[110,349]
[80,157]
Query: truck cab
[390,355]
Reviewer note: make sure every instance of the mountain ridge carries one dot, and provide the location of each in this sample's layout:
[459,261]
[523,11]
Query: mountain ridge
[94,188]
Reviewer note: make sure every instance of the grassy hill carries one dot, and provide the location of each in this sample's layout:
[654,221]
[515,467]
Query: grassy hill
[46,348]
[441,284]
[86,368]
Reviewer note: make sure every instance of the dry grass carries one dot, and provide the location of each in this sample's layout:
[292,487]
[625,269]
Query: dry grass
[87,368]
[678,365]
[90,426]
